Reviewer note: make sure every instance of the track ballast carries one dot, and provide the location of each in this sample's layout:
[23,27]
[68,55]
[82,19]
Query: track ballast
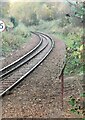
[15,72]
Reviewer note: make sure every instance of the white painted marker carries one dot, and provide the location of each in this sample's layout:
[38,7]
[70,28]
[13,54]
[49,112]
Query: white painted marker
[2,26]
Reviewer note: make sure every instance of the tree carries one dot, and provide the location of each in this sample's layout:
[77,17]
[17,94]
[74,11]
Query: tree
[78,8]
[24,12]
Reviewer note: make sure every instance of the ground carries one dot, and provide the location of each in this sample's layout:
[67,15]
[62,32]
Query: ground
[39,94]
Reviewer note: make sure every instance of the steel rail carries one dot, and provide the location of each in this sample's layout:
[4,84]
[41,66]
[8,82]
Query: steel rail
[36,52]
[9,68]
[36,65]
[14,65]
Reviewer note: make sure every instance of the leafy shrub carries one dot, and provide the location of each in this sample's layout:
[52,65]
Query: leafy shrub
[22,30]
[67,29]
[34,20]
[62,22]
[78,9]
[31,20]
[46,13]
[77,104]
[14,21]
[74,64]
[12,40]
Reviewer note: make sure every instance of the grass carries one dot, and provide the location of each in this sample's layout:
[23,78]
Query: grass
[13,39]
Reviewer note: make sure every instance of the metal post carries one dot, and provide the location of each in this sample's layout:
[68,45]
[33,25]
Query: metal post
[61,77]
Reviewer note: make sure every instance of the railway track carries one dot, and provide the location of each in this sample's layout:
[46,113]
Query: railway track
[15,72]
[14,65]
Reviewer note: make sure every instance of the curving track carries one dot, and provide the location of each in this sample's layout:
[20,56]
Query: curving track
[12,74]
[14,65]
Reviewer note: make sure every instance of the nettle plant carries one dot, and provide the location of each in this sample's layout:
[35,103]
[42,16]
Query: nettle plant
[78,105]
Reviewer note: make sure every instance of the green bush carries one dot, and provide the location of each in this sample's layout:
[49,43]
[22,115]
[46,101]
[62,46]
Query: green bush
[34,20]
[74,64]
[21,30]
[12,40]
[31,20]
[77,104]
[67,29]
[14,21]
[63,21]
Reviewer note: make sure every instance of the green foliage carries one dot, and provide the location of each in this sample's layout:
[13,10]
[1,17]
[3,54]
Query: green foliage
[73,110]
[82,95]
[76,105]
[83,119]
[34,20]
[72,101]
[46,12]
[63,22]
[78,8]
[14,21]
[31,20]
[21,30]
[25,12]
[31,13]
[74,63]
[12,40]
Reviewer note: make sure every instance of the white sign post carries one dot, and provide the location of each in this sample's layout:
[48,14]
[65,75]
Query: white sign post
[2,26]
